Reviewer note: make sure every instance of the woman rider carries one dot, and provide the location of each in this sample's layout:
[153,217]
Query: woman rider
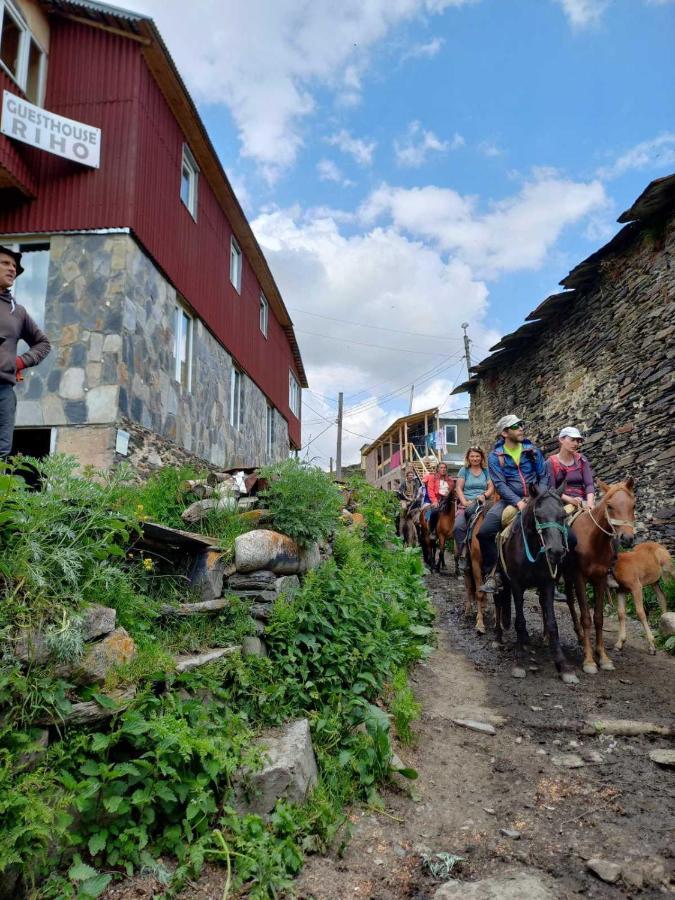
[438,485]
[473,484]
[571,466]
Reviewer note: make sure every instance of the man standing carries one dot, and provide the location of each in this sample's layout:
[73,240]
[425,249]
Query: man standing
[15,325]
[514,464]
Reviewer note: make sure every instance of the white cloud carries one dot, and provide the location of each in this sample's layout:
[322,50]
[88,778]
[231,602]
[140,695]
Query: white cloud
[489,149]
[583,13]
[418,143]
[424,51]
[264,59]
[656,153]
[383,280]
[329,171]
[362,151]
[513,234]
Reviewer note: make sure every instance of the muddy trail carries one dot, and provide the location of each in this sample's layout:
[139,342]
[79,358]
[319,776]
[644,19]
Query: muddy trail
[508,802]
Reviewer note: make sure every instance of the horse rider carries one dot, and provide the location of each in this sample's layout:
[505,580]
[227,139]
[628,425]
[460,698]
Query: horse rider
[572,467]
[408,491]
[473,486]
[438,485]
[514,464]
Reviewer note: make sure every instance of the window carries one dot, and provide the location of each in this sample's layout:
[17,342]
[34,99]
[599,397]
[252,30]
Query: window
[293,395]
[237,400]
[20,54]
[31,289]
[264,314]
[269,431]
[188,181]
[183,348]
[451,434]
[235,264]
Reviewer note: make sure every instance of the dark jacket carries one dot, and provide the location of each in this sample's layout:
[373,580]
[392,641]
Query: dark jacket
[511,481]
[16,325]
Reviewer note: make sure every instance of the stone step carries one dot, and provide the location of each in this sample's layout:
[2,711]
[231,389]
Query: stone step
[187,663]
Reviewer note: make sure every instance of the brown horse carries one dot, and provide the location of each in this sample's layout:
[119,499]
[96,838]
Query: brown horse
[598,533]
[445,526]
[473,577]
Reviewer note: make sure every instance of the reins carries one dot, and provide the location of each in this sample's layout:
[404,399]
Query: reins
[540,528]
[613,523]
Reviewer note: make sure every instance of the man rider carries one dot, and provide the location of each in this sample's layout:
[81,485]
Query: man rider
[514,464]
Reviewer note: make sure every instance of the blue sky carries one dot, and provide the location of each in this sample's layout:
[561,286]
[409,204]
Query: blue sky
[412,164]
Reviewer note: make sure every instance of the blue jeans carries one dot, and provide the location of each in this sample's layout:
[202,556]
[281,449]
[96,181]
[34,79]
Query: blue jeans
[7,417]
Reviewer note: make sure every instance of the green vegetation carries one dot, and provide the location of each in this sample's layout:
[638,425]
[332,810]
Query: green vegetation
[156,779]
[304,503]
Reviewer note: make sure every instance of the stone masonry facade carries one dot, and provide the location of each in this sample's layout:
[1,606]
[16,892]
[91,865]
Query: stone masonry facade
[110,314]
[604,362]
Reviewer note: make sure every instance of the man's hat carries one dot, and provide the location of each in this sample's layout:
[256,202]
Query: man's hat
[16,256]
[507,422]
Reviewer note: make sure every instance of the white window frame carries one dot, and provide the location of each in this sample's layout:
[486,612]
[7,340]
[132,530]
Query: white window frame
[21,76]
[181,315]
[450,443]
[264,314]
[293,395]
[269,430]
[188,162]
[237,399]
[236,264]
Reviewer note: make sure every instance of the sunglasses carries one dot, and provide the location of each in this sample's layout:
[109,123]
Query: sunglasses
[516,426]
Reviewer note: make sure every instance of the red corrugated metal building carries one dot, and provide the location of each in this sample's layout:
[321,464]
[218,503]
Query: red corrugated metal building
[110,69]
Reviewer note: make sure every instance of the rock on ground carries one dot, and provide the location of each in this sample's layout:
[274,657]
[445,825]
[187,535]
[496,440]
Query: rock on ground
[604,869]
[667,624]
[264,549]
[663,757]
[97,620]
[208,573]
[252,645]
[289,771]
[101,658]
[504,887]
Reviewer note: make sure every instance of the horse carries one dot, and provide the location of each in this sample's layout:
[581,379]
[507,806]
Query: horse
[472,575]
[427,543]
[445,526]
[531,556]
[408,523]
[598,533]
[643,566]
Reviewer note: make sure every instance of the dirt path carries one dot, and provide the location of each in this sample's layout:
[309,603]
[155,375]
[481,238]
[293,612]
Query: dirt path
[619,806]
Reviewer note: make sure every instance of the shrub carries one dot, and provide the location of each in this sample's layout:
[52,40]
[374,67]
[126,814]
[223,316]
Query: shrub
[304,501]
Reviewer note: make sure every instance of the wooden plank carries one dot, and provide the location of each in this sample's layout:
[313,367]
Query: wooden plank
[206,607]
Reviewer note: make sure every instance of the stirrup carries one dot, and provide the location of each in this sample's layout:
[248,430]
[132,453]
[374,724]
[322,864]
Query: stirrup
[491,584]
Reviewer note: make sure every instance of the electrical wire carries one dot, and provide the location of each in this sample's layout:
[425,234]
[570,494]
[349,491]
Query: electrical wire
[363,344]
[434,337]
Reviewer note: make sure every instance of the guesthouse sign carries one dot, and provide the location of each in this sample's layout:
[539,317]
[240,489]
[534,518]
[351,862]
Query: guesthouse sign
[33,125]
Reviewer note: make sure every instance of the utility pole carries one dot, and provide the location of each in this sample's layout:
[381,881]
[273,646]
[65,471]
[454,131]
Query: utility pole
[412,394]
[338,453]
[331,465]
[467,352]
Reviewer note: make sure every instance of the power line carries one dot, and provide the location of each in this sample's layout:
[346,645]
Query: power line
[363,344]
[310,442]
[376,327]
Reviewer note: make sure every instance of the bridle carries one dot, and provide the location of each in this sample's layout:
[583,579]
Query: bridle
[540,528]
[613,523]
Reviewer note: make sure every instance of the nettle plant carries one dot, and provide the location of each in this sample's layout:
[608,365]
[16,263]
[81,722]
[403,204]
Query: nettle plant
[304,501]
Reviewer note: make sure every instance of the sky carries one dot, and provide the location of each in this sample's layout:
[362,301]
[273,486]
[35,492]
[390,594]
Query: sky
[411,165]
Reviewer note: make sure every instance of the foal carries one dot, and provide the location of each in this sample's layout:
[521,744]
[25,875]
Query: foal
[531,558]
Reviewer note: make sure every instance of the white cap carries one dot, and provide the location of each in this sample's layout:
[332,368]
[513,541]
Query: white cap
[570,431]
[507,422]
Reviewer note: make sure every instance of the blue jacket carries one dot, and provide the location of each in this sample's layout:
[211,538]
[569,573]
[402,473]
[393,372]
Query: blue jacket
[511,481]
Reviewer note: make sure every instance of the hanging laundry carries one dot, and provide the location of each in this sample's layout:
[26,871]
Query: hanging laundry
[396,459]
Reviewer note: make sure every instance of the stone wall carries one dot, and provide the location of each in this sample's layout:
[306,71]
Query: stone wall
[110,315]
[605,364]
